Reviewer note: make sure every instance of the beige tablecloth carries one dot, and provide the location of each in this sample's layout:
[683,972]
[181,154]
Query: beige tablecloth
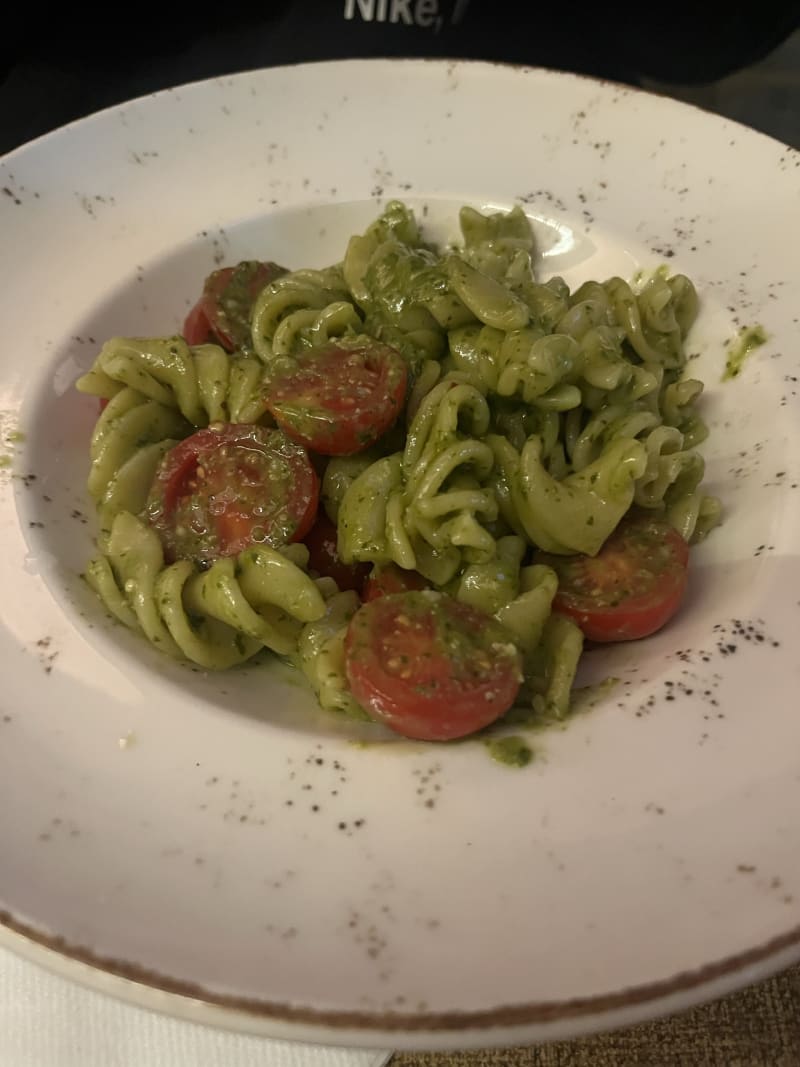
[756,1028]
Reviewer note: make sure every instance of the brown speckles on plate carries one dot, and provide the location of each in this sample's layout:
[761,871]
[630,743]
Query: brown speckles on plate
[46,654]
[91,203]
[142,157]
[282,881]
[58,829]
[781,480]
[315,785]
[546,195]
[349,827]
[367,935]
[700,673]
[789,159]
[428,784]
[285,933]
[220,247]
[749,631]
[763,549]
[765,883]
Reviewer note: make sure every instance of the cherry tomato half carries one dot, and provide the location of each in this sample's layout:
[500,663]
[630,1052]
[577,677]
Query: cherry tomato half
[196,330]
[228,298]
[389,578]
[631,588]
[227,487]
[324,556]
[430,667]
[340,398]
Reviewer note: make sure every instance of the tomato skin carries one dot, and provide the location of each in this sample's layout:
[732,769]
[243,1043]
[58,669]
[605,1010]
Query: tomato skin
[430,667]
[389,578]
[324,556]
[631,588]
[227,487]
[342,397]
[196,330]
[228,297]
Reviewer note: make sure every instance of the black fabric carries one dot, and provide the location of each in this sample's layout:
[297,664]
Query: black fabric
[57,67]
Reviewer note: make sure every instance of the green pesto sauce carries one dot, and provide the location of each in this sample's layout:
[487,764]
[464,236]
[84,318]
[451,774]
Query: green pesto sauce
[747,341]
[513,751]
[589,696]
[15,437]
[529,718]
[642,275]
[525,717]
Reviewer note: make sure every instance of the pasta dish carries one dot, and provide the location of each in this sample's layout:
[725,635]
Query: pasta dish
[423,475]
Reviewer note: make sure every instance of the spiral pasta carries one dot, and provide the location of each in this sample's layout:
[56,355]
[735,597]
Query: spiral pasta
[425,509]
[217,617]
[535,418]
[564,376]
[201,382]
[320,653]
[300,310]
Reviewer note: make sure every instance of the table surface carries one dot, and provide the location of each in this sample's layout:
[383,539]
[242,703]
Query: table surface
[759,1027]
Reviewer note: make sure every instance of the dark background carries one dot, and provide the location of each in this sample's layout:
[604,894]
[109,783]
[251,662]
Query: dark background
[59,65]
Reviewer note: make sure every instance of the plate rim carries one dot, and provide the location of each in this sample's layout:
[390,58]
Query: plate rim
[506,1024]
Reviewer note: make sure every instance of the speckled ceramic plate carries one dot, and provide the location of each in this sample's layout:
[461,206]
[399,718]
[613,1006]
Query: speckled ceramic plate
[215,847]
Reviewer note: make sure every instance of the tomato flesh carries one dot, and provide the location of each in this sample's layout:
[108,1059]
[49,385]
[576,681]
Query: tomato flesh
[631,588]
[389,578]
[196,330]
[228,298]
[430,667]
[231,486]
[324,556]
[340,398]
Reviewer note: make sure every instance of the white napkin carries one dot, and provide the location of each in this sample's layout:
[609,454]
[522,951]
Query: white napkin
[46,1021]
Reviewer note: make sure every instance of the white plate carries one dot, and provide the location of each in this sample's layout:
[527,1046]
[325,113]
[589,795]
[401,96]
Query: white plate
[238,859]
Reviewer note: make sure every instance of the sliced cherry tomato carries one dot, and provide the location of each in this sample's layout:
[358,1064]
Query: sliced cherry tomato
[324,556]
[340,398]
[196,330]
[228,298]
[389,578]
[430,667]
[231,486]
[631,588]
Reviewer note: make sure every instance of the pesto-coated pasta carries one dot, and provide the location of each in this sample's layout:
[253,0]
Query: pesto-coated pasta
[216,617]
[537,419]
[201,382]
